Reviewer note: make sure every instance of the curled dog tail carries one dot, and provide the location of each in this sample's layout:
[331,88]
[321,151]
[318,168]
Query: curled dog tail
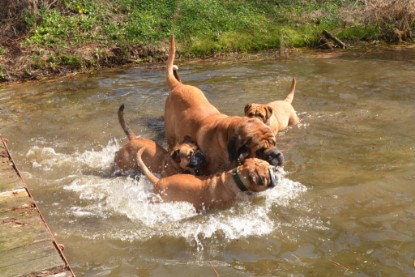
[144,169]
[130,134]
[171,78]
[290,96]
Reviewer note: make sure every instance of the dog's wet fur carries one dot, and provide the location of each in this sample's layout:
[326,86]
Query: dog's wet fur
[225,140]
[185,157]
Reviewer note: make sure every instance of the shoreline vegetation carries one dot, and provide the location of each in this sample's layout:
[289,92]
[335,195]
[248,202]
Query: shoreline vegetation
[47,38]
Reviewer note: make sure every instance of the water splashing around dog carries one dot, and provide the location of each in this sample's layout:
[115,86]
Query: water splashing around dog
[130,199]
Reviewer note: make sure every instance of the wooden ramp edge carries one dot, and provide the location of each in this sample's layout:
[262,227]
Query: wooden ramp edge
[27,245]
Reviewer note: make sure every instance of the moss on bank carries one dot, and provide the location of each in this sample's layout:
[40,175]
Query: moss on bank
[40,38]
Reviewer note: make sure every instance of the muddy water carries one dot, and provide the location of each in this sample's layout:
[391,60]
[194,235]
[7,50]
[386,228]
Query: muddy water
[345,205]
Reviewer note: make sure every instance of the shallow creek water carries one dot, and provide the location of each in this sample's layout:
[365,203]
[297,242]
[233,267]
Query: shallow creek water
[345,205]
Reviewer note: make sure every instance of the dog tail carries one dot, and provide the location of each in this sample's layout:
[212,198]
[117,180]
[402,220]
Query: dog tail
[144,169]
[172,80]
[290,96]
[130,134]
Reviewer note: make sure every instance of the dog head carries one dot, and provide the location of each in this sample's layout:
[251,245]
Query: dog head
[256,175]
[254,139]
[260,111]
[188,156]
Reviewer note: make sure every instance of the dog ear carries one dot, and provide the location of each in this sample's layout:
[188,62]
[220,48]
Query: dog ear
[247,107]
[268,112]
[175,155]
[237,150]
[243,153]
[232,148]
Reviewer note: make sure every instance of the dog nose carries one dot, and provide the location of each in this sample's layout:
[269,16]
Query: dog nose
[274,157]
[197,160]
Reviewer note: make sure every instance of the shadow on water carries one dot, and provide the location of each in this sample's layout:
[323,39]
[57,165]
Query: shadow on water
[345,206]
[156,125]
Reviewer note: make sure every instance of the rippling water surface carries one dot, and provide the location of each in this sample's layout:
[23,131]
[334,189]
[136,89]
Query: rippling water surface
[345,205]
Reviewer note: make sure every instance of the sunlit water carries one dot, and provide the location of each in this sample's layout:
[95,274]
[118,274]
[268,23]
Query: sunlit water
[345,205]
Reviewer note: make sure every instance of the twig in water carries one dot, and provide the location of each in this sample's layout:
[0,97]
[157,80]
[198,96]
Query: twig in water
[339,265]
[214,269]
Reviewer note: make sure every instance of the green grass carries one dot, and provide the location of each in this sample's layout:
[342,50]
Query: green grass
[83,34]
[202,26]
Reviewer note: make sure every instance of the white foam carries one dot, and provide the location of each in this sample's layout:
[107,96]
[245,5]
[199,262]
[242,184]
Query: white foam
[286,191]
[47,158]
[132,198]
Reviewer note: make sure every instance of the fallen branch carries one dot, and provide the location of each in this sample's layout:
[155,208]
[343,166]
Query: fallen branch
[334,38]
[325,44]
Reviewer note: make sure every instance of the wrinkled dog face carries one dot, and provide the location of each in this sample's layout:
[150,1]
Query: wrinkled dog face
[189,157]
[254,140]
[259,174]
[260,111]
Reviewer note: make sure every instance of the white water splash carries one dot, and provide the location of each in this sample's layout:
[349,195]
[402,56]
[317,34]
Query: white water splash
[48,159]
[132,198]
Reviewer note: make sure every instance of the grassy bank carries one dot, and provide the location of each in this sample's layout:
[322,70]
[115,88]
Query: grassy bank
[48,37]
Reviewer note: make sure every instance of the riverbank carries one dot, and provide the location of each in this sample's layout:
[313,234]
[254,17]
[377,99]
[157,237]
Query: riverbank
[40,39]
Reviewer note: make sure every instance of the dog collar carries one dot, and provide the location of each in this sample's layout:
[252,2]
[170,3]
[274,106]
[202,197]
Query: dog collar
[237,179]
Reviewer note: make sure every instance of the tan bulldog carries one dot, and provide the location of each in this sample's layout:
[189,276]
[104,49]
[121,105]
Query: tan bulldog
[277,114]
[225,140]
[185,157]
[215,191]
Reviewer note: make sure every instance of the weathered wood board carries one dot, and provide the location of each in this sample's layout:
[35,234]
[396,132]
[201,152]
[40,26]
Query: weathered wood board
[27,247]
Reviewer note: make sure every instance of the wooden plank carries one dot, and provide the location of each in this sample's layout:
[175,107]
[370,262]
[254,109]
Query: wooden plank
[33,258]
[5,164]
[10,181]
[27,248]
[21,227]
[16,199]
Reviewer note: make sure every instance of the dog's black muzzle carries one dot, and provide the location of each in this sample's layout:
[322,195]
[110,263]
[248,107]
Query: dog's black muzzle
[197,161]
[274,157]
